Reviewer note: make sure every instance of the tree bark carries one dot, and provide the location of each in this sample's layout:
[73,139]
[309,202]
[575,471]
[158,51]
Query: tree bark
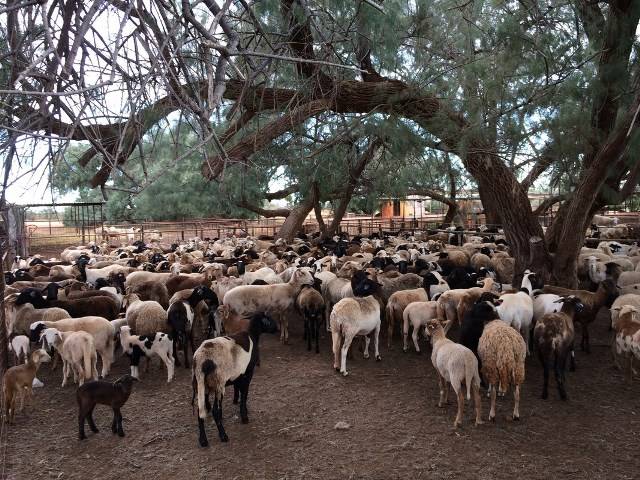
[4,344]
[294,221]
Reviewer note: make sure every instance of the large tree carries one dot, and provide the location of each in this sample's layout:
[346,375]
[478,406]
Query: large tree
[509,90]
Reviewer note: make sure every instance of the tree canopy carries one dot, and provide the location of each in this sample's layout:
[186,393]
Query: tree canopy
[339,98]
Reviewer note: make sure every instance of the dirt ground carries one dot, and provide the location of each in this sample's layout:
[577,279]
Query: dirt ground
[396,430]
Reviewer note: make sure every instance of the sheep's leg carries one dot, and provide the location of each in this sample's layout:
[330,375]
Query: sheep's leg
[414,337]
[516,403]
[477,402]
[376,342]
[65,373]
[390,322]
[525,335]
[120,429]
[315,325]
[306,336]
[203,407]
[348,338]
[92,424]
[217,417]
[236,394]
[458,421]
[244,395]
[572,360]
[559,373]
[169,363]
[175,349]
[114,422]
[185,350]
[335,339]
[367,341]
[443,388]
[81,418]
[492,411]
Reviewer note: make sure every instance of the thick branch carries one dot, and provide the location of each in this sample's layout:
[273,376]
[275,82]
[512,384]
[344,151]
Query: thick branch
[547,203]
[285,192]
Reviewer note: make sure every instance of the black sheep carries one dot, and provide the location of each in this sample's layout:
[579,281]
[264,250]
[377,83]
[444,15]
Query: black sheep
[181,316]
[474,320]
[113,394]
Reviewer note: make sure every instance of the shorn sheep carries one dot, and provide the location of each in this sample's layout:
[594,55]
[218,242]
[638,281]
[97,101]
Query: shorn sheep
[359,315]
[455,364]
[275,299]
[18,381]
[502,352]
[553,338]
[138,346]
[102,330]
[226,360]
[19,345]
[78,353]
[115,395]
[416,314]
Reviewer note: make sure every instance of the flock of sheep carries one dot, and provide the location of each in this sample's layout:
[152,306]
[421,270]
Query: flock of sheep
[209,301]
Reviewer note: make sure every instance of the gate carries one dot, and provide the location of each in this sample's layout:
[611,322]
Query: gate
[61,225]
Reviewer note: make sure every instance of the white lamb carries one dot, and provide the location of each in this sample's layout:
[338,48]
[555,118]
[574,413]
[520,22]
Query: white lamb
[516,309]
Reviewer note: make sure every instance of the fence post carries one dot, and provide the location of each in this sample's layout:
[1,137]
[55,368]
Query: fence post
[142,232]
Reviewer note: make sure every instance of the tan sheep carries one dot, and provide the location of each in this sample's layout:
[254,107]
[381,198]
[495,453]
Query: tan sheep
[18,381]
[502,352]
[417,314]
[396,305]
[455,364]
[78,353]
[275,299]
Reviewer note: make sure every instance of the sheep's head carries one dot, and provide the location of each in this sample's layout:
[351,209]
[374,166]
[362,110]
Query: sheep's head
[365,288]
[35,330]
[572,300]
[40,356]
[302,276]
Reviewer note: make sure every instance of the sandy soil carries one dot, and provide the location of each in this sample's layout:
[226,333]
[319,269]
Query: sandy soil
[396,430]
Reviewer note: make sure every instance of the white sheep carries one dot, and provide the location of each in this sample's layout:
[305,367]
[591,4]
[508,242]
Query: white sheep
[78,352]
[137,346]
[455,364]
[516,309]
[355,316]
[417,314]
[19,345]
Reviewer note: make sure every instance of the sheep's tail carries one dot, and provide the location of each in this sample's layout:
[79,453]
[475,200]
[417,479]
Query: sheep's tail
[88,367]
[471,374]
[199,381]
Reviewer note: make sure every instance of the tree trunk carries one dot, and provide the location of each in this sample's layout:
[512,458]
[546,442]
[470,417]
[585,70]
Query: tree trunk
[4,347]
[452,211]
[491,216]
[294,221]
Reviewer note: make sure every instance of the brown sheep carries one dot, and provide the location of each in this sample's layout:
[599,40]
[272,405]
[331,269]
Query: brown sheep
[18,380]
[151,291]
[502,352]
